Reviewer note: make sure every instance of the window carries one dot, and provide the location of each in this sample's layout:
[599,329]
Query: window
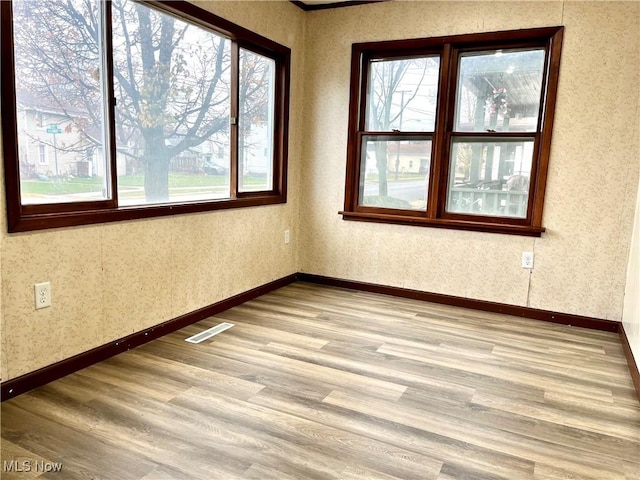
[143,109]
[453,132]
[42,155]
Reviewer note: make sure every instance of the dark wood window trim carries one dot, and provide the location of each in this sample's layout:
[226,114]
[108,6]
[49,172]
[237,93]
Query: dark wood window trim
[449,48]
[311,7]
[37,217]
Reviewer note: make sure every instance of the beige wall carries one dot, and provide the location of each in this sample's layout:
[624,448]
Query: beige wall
[580,262]
[631,312]
[114,279]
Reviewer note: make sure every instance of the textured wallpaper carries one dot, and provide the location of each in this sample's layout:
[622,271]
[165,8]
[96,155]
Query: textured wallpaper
[580,262]
[114,279]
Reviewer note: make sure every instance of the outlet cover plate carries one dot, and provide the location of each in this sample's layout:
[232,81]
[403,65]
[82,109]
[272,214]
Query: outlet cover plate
[42,293]
[527,260]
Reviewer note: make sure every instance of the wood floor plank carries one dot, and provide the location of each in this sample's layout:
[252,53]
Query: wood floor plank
[496,369]
[260,472]
[68,445]
[274,335]
[128,420]
[255,373]
[405,436]
[196,376]
[19,455]
[552,472]
[517,445]
[317,382]
[623,428]
[581,366]
[131,380]
[319,373]
[317,440]
[375,370]
[166,473]
[589,406]
[481,417]
[361,473]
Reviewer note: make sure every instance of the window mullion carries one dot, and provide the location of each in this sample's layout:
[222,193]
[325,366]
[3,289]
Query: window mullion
[110,99]
[439,153]
[234,120]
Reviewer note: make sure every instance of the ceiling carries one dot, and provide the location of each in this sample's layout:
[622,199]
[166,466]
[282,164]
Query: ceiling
[308,5]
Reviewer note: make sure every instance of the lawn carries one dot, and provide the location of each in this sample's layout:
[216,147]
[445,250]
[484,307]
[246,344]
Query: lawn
[64,187]
[177,180]
[373,177]
[70,186]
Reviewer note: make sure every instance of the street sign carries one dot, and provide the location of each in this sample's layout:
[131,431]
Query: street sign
[53,128]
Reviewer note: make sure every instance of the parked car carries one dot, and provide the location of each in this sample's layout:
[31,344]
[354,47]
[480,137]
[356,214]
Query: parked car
[211,168]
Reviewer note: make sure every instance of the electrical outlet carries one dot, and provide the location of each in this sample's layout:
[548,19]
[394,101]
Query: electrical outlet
[287,236]
[527,260]
[42,295]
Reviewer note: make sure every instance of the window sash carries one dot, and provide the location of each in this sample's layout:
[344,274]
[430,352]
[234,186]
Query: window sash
[407,95]
[391,137]
[506,52]
[482,191]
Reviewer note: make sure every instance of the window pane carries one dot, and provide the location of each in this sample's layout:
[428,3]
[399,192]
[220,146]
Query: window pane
[490,177]
[255,134]
[402,95]
[499,90]
[60,112]
[172,85]
[395,174]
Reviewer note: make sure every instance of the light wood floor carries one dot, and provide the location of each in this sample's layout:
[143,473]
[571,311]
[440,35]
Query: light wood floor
[323,383]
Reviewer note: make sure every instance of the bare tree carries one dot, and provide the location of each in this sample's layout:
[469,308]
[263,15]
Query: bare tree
[254,90]
[56,65]
[388,102]
[171,79]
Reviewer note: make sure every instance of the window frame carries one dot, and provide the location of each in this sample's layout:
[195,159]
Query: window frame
[54,215]
[449,49]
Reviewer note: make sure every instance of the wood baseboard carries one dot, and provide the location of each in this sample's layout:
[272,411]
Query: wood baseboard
[16,386]
[631,361]
[526,312]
